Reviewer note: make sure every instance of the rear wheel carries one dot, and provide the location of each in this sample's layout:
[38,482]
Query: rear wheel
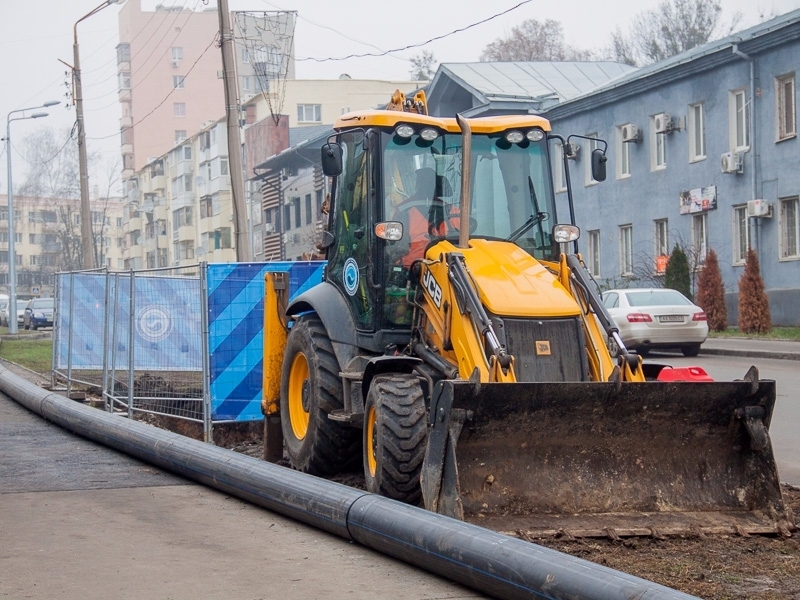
[691,350]
[310,389]
[395,434]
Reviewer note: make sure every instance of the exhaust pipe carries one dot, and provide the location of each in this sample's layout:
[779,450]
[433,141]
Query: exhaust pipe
[490,562]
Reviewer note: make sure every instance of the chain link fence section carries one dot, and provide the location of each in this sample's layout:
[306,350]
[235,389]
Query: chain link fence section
[138,337]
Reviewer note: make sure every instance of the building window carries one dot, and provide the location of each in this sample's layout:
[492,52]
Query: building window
[177,53]
[700,236]
[593,253]
[559,174]
[661,239]
[298,222]
[697,142]
[790,228]
[626,250]
[309,113]
[739,120]
[309,212]
[623,152]
[123,53]
[740,236]
[179,109]
[658,144]
[245,83]
[180,135]
[786,109]
[177,81]
[245,55]
[124,80]
[591,144]
[287,216]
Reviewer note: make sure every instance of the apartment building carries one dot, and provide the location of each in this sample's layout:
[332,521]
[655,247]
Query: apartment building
[47,239]
[169,68]
[179,206]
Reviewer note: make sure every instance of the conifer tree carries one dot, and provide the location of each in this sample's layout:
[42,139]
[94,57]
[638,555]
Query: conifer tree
[754,314]
[676,275]
[711,293]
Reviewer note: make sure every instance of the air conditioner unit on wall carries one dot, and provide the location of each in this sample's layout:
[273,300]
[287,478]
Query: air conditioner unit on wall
[731,162]
[572,150]
[759,208]
[176,64]
[630,133]
[663,123]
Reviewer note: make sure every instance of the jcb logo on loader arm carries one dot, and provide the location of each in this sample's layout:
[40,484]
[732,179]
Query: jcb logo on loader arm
[433,288]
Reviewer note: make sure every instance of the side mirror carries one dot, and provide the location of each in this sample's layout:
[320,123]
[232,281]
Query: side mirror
[331,159]
[599,160]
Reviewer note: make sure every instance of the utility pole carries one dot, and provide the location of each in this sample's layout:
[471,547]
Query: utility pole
[87,237]
[234,140]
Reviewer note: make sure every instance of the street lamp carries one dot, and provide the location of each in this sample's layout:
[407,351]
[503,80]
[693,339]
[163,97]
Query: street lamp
[87,237]
[12,257]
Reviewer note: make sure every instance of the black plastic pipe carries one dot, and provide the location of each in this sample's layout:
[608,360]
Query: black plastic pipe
[493,563]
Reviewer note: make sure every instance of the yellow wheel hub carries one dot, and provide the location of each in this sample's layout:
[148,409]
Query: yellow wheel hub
[298,386]
[372,462]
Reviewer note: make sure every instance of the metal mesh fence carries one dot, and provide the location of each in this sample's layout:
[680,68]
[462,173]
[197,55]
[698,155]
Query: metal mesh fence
[137,336]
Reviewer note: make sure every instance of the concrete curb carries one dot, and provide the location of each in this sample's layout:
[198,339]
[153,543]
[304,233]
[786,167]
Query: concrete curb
[751,353]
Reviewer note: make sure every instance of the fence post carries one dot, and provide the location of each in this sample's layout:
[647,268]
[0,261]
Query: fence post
[106,403]
[131,325]
[69,334]
[208,425]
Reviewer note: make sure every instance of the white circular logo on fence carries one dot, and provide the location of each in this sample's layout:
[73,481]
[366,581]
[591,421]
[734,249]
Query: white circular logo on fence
[350,276]
[154,323]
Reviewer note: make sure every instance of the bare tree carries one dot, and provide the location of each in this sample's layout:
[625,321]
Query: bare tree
[533,40]
[674,26]
[423,66]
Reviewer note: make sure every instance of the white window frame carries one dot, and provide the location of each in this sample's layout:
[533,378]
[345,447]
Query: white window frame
[739,120]
[180,136]
[559,174]
[590,145]
[593,253]
[697,135]
[177,53]
[626,250]
[786,107]
[741,235]
[623,168]
[700,236]
[658,146]
[178,82]
[790,228]
[179,109]
[309,113]
[124,80]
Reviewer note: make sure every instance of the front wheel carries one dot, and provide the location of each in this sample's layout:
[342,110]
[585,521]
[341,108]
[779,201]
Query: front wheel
[395,435]
[310,390]
[691,350]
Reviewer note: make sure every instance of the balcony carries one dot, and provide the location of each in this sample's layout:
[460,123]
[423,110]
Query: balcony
[125,122]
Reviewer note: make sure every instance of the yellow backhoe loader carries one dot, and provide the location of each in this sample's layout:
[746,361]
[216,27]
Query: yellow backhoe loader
[458,350]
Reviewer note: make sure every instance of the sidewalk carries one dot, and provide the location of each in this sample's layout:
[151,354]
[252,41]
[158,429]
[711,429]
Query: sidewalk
[785,350]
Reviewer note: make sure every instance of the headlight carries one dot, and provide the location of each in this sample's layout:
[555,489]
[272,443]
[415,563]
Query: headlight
[535,135]
[389,230]
[404,131]
[428,134]
[514,137]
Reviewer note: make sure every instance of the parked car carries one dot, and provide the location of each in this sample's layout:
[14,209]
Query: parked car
[39,313]
[650,318]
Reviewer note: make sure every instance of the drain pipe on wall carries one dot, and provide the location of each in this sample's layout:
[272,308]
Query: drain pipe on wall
[751,126]
[490,562]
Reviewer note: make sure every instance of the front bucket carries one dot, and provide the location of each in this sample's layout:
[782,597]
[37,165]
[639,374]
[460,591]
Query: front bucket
[606,459]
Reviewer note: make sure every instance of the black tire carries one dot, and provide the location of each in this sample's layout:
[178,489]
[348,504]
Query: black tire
[310,389]
[34,326]
[395,435]
[691,350]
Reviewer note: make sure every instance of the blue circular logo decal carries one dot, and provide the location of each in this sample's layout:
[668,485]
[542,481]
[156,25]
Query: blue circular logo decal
[350,276]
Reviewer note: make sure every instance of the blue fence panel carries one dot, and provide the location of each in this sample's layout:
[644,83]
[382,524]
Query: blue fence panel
[167,326]
[236,329]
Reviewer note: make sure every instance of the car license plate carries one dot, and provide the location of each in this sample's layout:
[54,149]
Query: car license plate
[670,319]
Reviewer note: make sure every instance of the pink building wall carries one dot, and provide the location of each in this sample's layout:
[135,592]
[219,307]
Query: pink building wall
[149,106]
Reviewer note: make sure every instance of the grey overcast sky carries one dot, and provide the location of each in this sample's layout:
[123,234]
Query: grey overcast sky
[35,34]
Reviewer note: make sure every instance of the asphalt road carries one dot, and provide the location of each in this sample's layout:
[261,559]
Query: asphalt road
[79,521]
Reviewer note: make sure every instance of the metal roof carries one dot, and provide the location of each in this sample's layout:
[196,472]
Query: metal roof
[303,151]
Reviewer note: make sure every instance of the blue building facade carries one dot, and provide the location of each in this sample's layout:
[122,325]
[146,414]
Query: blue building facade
[703,153]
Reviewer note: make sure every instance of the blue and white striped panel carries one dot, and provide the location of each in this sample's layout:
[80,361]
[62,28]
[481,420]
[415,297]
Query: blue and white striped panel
[236,329]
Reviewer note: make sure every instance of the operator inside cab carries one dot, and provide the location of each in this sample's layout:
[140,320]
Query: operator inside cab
[422,216]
